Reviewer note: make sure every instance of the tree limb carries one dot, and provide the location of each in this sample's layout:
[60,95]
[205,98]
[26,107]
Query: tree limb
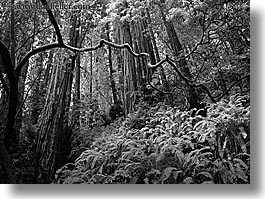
[34,52]
[103,42]
[21,46]
[53,21]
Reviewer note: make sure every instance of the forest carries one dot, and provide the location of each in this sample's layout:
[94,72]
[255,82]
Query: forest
[125,92]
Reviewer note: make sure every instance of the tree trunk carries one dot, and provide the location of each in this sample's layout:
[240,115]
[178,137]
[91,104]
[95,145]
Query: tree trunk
[111,71]
[130,81]
[8,133]
[11,135]
[120,68]
[91,71]
[37,92]
[77,92]
[53,145]
[157,57]
[176,47]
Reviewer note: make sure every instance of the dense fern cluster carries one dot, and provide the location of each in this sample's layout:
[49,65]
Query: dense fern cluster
[163,145]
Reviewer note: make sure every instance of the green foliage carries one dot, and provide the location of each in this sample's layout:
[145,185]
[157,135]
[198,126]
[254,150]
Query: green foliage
[173,147]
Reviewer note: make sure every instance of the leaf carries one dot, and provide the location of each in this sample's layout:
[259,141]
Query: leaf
[98,178]
[243,155]
[131,166]
[206,174]
[191,154]
[168,172]
[134,180]
[94,162]
[188,180]
[240,162]
[208,182]
[241,174]
[178,175]
[205,154]
[145,129]
[200,125]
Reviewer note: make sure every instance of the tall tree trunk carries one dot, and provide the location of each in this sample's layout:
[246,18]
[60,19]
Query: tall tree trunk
[53,145]
[77,91]
[7,135]
[91,71]
[130,81]
[157,57]
[10,133]
[37,91]
[111,71]
[119,61]
[176,47]
[22,79]
[51,128]
[47,74]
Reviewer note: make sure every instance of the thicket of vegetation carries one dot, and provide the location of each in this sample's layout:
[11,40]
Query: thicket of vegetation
[164,145]
[125,91]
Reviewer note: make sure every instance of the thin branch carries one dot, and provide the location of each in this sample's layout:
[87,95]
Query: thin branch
[21,46]
[228,90]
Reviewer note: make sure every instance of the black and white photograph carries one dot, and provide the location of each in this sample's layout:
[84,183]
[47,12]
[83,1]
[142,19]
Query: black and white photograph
[125,92]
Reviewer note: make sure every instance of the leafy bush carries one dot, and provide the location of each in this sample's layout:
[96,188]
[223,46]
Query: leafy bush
[171,147]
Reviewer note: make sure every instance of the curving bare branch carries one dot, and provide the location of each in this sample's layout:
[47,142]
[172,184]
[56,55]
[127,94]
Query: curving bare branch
[103,42]
[34,52]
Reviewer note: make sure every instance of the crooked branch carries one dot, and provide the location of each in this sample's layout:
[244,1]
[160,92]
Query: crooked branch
[103,42]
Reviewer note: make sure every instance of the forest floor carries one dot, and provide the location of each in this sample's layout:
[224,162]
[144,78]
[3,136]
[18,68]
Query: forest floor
[162,145]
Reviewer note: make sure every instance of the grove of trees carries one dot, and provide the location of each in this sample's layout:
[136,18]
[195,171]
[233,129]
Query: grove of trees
[125,91]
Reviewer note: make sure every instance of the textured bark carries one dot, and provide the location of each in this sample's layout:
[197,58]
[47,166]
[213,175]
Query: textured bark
[51,133]
[129,72]
[53,145]
[47,74]
[37,92]
[134,69]
[111,71]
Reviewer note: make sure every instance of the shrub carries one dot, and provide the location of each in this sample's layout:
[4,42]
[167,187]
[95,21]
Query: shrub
[172,147]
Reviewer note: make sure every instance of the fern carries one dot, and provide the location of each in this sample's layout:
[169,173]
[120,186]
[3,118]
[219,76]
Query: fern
[171,147]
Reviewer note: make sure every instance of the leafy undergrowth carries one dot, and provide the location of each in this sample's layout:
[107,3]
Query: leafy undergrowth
[84,137]
[163,145]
